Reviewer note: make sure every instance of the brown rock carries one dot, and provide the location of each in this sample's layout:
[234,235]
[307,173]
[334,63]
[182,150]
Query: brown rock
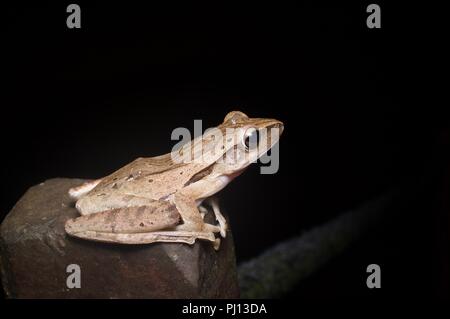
[35,253]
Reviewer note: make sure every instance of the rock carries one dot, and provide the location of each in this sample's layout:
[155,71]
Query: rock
[36,251]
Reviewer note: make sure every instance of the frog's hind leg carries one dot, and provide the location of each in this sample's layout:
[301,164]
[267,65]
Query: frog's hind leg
[155,221]
[154,216]
[107,201]
[77,192]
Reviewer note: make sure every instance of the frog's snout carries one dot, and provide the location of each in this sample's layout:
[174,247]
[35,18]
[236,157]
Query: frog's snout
[275,124]
[278,125]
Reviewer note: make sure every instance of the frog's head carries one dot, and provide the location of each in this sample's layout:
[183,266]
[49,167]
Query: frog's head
[245,140]
[233,145]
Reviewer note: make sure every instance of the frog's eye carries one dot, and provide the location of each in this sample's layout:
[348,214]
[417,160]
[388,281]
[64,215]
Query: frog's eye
[251,139]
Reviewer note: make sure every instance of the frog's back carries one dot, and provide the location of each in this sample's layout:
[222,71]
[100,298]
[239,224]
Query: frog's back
[139,167]
[142,177]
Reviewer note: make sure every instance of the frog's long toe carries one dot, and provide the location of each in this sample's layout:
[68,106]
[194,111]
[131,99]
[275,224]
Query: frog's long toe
[219,217]
[147,238]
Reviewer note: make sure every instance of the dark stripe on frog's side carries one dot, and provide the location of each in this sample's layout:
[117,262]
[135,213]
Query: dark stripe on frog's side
[201,174]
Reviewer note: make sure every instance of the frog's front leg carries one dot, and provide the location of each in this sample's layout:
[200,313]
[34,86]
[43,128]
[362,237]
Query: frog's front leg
[192,216]
[191,213]
[214,203]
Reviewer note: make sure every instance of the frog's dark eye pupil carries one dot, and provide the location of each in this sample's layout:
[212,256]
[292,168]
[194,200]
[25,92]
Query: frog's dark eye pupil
[251,141]
[247,141]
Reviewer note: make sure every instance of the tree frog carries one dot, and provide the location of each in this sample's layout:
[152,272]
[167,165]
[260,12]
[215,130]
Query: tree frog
[160,199]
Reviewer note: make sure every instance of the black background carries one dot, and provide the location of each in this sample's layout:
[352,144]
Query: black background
[84,102]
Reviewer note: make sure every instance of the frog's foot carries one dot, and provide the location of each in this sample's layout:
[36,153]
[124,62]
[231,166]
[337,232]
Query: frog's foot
[222,222]
[148,238]
[219,217]
[203,227]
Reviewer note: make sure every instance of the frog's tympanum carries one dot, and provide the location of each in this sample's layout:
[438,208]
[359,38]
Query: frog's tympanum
[159,199]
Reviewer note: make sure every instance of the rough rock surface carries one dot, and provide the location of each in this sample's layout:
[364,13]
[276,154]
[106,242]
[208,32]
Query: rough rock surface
[35,253]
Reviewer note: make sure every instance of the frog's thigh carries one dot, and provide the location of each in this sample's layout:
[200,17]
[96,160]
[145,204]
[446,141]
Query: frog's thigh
[96,203]
[126,220]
